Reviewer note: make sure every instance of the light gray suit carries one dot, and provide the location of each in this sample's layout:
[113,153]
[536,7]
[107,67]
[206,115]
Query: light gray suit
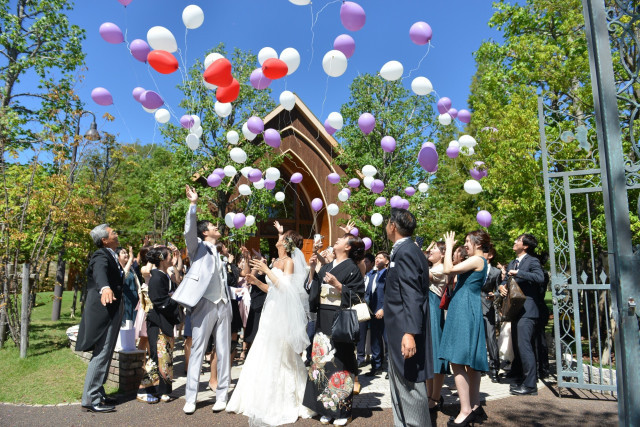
[204,290]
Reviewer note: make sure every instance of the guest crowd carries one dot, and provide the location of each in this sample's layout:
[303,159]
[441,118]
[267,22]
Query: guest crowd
[431,314]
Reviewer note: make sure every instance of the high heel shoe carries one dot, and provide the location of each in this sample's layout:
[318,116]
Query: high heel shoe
[469,420]
[480,414]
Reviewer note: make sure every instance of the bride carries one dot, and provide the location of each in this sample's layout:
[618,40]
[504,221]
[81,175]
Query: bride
[273,379]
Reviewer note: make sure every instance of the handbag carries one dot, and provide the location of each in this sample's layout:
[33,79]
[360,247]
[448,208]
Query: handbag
[346,327]
[362,310]
[513,302]
[446,299]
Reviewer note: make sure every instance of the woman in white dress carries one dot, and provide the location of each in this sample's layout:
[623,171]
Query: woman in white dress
[273,379]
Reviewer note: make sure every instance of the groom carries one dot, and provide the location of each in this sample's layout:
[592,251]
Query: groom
[204,291]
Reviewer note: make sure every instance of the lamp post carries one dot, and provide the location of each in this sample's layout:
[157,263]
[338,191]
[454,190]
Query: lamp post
[92,135]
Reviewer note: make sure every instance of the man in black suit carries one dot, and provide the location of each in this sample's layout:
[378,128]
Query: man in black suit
[494,277]
[527,271]
[101,318]
[361,348]
[406,314]
[374,296]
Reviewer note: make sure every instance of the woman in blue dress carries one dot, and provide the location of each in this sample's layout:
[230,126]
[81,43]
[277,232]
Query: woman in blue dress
[463,342]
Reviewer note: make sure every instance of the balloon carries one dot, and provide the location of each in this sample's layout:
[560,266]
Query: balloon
[316,204]
[197,131]
[214,180]
[162,116]
[272,174]
[228,93]
[367,181]
[443,105]
[219,73]
[228,219]
[150,99]
[467,140]
[423,187]
[111,33]
[291,57]
[355,231]
[420,33]
[454,143]
[343,196]
[137,93]
[238,155]
[255,124]
[255,175]
[479,171]
[347,190]
[376,219]
[250,220]
[464,116]
[139,49]
[333,178]
[230,171]
[421,86]
[186,121]
[272,138]
[101,96]
[192,17]
[330,129]
[484,218]
[333,209]
[247,133]
[335,120]
[296,178]
[472,186]
[354,183]
[211,58]
[391,71]
[444,119]
[429,144]
[404,204]
[334,63]
[222,109]
[149,110]
[125,3]
[467,151]
[258,80]
[233,138]
[274,68]
[366,123]
[377,186]
[380,201]
[162,61]
[368,170]
[367,243]
[259,184]
[345,44]
[352,16]
[269,184]
[196,121]
[219,172]
[266,53]
[409,191]
[161,38]
[239,220]
[245,171]
[300,2]
[394,201]
[193,141]
[280,196]
[428,159]
[209,85]
[453,113]
[388,144]
[287,100]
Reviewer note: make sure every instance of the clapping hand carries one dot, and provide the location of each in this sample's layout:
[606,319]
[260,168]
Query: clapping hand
[192,196]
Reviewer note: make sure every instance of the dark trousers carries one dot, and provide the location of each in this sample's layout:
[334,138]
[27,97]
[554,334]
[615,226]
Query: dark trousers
[377,349]
[542,350]
[492,341]
[524,362]
[362,342]
[311,332]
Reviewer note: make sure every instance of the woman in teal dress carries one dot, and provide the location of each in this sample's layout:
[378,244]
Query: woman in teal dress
[463,342]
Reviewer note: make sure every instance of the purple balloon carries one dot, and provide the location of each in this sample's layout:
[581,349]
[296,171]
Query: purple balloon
[101,96]
[388,144]
[255,125]
[409,191]
[347,190]
[139,49]
[187,121]
[476,174]
[259,80]
[330,130]
[333,178]
[428,159]
[111,33]
[316,204]
[214,180]
[420,33]
[125,3]
[352,16]
[366,122]
[255,175]
[296,178]
[429,144]
[151,100]
[377,186]
[380,201]
[453,152]
[453,113]
[464,116]
[269,184]
[272,138]
[484,218]
[137,93]
[403,204]
[355,231]
[354,183]
[239,220]
[444,105]
[219,172]
[345,44]
[394,201]
[367,243]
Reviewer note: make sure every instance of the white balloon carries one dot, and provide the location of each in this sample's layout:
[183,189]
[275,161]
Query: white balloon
[197,131]
[245,171]
[259,184]
[209,85]
[291,57]
[467,151]
[244,189]
[162,115]
[233,137]
[280,196]
[223,109]
[300,2]
[335,120]
[333,209]
[343,196]
[421,86]
[193,141]
[369,170]
[392,71]
[467,141]
[250,220]
[472,186]
[444,119]
[160,38]
[238,155]
[272,174]
[334,63]
[423,187]
[454,143]
[376,219]
[230,171]
[196,121]
[192,16]
[287,100]
[149,110]
[367,181]
[228,219]
[266,53]
[247,133]
[211,58]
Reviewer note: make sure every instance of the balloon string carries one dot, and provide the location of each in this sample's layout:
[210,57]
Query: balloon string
[124,121]
[312,36]
[313,23]
[158,89]
[419,63]
[326,90]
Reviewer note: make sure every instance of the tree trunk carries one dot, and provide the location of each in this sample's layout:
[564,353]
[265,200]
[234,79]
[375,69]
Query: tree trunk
[24,315]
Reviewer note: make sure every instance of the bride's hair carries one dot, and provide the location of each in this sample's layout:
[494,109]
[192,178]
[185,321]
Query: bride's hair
[291,240]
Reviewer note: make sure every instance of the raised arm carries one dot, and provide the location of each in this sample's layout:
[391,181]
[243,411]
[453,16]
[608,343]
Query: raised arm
[190,225]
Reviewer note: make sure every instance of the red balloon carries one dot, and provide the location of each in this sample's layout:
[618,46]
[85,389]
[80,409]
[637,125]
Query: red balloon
[162,61]
[274,68]
[219,73]
[229,93]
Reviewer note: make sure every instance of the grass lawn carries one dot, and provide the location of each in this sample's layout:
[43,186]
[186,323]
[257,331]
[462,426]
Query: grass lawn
[51,373]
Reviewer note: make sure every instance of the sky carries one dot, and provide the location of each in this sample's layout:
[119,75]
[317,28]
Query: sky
[458,30]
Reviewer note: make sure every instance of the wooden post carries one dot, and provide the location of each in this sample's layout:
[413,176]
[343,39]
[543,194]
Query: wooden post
[24,315]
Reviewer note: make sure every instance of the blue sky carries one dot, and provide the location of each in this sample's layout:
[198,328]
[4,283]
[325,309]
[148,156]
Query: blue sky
[458,30]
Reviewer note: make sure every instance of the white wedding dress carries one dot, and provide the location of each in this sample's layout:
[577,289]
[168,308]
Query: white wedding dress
[273,378]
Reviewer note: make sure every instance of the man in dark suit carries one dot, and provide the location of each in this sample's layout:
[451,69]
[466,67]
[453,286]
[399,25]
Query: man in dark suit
[361,348]
[494,277]
[101,318]
[406,314]
[527,271]
[374,295]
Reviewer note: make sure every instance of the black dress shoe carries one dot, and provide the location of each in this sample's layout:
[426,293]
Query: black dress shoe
[471,418]
[514,386]
[373,373]
[105,400]
[99,408]
[543,374]
[480,414]
[524,390]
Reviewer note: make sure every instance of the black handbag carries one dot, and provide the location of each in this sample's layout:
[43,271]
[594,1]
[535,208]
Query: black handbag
[345,328]
[514,301]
